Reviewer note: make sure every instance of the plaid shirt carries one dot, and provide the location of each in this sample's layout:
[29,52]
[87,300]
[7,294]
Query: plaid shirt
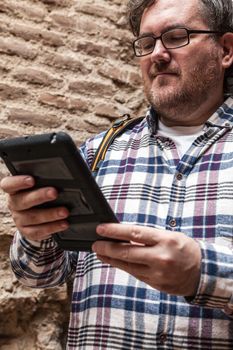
[146,183]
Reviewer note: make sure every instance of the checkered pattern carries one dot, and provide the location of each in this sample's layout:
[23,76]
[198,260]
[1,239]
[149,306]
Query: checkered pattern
[146,183]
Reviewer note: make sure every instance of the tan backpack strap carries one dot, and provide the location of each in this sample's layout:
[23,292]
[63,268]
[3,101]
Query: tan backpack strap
[116,129]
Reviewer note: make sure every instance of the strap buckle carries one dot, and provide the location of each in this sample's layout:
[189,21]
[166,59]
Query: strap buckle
[121,121]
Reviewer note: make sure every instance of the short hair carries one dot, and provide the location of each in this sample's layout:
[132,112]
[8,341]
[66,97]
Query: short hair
[217,14]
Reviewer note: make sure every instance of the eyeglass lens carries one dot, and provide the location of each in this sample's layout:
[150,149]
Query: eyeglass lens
[171,39]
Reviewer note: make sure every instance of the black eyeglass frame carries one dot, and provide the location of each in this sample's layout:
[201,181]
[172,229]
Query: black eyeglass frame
[188,31]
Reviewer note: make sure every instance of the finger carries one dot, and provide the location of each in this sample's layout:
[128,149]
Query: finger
[44,231]
[139,234]
[26,200]
[13,184]
[139,271]
[128,253]
[39,216]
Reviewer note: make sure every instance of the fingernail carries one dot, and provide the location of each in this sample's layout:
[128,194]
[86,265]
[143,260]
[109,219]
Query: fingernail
[93,247]
[28,181]
[62,213]
[64,225]
[51,194]
[100,229]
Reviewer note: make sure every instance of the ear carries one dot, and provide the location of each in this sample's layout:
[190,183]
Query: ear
[227,46]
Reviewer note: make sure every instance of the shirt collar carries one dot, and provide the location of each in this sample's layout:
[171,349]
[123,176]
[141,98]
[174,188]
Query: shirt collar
[223,117]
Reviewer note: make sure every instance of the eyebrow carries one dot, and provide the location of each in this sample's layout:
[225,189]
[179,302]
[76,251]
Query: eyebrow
[169,27]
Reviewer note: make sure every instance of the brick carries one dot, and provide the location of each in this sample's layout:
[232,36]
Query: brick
[118,2]
[12,92]
[121,35]
[109,12]
[106,110]
[93,128]
[4,67]
[112,110]
[81,124]
[3,7]
[52,38]
[120,97]
[62,20]
[18,48]
[123,75]
[24,31]
[6,239]
[134,79]
[136,100]
[36,76]
[96,88]
[123,17]
[98,122]
[6,132]
[36,33]
[89,25]
[3,26]
[72,121]
[61,3]
[78,104]
[63,102]
[58,101]
[66,61]
[126,55]
[33,118]
[113,72]
[94,49]
[18,9]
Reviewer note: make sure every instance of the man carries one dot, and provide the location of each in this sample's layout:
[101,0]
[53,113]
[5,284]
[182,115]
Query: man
[169,181]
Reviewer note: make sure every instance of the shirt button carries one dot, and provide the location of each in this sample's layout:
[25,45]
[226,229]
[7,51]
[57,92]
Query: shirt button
[179,177]
[172,223]
[162,338]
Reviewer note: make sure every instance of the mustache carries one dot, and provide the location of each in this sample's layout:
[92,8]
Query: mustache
[161,67]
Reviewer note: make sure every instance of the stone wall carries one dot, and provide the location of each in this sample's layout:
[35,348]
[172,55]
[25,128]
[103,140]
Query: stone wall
[64,65]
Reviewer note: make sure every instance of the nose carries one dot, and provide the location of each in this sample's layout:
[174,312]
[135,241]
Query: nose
[160,53]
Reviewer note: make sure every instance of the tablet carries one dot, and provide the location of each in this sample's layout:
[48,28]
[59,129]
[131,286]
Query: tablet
[54,160]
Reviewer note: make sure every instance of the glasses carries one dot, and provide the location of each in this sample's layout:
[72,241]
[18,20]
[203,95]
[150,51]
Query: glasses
[171,39]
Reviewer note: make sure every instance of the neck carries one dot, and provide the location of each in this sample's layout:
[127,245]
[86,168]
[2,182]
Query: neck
[193,115]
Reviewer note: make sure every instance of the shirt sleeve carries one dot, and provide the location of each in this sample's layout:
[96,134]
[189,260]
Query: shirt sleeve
[216,283]
[44,264]
[41,264]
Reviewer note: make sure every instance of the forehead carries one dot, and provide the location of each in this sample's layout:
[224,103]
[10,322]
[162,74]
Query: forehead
[165,13]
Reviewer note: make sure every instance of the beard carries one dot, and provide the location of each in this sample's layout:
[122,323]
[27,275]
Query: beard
[176,98]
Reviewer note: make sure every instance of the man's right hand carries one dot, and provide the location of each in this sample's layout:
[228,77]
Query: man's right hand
[33,223]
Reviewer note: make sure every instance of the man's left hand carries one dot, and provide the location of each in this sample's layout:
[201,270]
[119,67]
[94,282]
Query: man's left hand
[165,260]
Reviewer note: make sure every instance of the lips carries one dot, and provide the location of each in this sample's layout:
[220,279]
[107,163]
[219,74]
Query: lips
[156,71]
[154,75]
[159,74]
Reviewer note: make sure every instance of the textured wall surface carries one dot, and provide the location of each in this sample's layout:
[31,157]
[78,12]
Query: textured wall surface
[64,65]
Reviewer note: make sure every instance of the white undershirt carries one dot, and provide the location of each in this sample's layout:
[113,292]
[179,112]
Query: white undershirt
[182,136]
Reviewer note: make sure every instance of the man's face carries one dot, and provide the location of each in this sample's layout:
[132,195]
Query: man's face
[178,81]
